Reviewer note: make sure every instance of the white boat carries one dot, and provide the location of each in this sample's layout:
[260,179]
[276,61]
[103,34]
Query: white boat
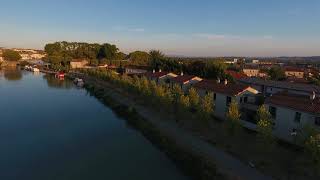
[28,68]
[35,70]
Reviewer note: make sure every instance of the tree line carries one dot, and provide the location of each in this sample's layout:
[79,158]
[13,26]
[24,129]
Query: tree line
[61,53]
[64,52]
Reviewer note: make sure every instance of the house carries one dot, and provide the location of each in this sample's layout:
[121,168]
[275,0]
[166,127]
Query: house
[160,77]
[136,70]
[185,81]
[224,93]
[292,112]
[78,63]
[268,87]
[251,71]
[294,72]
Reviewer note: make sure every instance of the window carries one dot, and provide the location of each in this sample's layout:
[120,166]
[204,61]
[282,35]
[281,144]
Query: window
[214,96]
[228,100]
[297,117]
[317,121]
[240,99]
[245,99]
[273,112]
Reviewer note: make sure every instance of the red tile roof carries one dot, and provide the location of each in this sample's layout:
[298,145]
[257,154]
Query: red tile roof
[183,79]
[235,75]
[297,102]
[229,89]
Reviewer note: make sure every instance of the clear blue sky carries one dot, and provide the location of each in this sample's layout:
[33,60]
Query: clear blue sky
[177,27]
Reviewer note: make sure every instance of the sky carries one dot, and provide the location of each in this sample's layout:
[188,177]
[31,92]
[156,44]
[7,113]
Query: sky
[176,27]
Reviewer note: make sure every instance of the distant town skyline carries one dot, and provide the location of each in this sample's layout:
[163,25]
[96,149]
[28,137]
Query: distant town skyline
[177,27]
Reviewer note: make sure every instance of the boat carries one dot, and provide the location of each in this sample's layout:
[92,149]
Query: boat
[28,68]
[78,82]
[35,70]
[60,75]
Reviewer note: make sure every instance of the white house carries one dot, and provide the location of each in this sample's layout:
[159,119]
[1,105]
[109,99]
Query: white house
[185,81]
[292,112]
[160,77]
[224,93]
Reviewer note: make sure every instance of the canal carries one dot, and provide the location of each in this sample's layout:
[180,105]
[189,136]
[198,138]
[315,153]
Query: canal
[51,130]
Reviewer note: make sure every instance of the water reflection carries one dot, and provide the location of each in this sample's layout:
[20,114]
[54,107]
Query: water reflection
[12,74]
[57,83]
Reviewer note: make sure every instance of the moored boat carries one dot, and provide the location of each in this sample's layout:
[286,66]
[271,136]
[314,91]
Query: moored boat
[60,75]
[79,82]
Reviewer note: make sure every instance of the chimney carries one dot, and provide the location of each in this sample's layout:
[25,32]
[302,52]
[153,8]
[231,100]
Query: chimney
[313,96]
[160,70]
[218,81]
[181,74]
[153,71]
[225,82]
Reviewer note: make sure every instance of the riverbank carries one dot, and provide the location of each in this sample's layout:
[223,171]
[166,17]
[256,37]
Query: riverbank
[225,164]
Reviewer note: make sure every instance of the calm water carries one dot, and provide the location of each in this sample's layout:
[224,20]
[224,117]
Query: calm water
[51,130]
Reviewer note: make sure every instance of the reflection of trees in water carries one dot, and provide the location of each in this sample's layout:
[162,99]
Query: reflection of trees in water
[12,74]
[57,83]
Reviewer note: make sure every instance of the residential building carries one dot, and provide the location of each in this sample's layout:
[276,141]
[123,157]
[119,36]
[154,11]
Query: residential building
[268,87]
[294,72]
[291,113]
[234,61]
[255,61]
[251,71]
[224,93]
[185,81]
[160,77]
[135,70]
[78,63]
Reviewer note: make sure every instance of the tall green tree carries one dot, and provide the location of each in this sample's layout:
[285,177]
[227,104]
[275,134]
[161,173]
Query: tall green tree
[313,147]
[10,55]
[265,136]
[276,73]
[206,107]
[184,103]
[139,58]
[194,99]
[155,57]
[108,51]
[233,118]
